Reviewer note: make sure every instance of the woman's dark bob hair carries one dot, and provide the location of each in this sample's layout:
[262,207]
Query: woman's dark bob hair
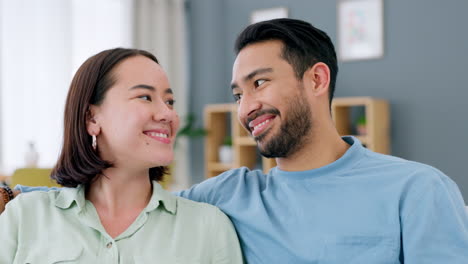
[78,162]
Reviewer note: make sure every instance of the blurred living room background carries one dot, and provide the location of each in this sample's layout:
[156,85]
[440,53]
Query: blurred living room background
[422,73]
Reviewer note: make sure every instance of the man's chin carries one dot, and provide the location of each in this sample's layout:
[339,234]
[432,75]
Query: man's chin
[262,146]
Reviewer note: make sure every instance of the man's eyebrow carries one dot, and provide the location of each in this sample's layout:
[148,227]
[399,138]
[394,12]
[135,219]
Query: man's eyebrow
[168,91]
[251,75]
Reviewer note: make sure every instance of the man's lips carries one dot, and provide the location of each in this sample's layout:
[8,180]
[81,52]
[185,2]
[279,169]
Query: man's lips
[261,120]
[260,124]
[161,135]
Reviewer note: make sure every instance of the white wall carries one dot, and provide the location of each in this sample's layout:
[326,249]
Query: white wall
[100,25]
[42,43]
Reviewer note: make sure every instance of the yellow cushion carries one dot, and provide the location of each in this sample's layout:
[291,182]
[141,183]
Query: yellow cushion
[41,177]
[33,177]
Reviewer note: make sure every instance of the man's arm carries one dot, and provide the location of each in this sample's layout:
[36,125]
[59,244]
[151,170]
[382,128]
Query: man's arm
[216,189]
[5,196]
[199,192]
[435,224]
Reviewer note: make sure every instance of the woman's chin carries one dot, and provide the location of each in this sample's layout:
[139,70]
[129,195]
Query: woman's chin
[163,162]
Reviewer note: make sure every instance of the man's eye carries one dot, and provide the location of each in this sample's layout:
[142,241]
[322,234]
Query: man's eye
[257,83]
[237,97]
[170,102]
[145,97]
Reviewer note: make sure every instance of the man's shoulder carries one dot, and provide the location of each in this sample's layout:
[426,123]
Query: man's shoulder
[407,170]
[223,187]
[235,177]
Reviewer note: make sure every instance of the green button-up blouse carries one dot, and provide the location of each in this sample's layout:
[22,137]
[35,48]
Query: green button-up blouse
[61,226]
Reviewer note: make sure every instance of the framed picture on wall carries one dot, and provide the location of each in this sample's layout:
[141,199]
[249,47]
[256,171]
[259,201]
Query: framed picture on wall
[268,14]
[360,29]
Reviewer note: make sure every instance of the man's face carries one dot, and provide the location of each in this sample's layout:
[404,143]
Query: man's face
[272,105]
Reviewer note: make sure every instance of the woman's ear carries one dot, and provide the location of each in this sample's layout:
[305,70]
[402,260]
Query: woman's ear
[317,79]
[92,126]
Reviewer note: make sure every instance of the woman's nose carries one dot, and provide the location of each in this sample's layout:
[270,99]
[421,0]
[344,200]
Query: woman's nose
[163,113]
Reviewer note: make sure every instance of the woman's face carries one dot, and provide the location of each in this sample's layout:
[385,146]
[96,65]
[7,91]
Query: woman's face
[136,122]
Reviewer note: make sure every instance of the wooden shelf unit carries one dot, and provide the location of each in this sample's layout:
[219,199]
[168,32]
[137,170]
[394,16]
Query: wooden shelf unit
[218,118]
[377,114]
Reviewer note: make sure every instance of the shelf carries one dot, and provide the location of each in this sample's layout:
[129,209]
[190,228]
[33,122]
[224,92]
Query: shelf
[246,141]
[363,139]
[377,114]
[220,108]
[221,120]
[353,101]
[218,166]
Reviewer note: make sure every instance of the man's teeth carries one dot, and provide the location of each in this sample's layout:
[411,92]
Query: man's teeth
[261,124]
[154,134]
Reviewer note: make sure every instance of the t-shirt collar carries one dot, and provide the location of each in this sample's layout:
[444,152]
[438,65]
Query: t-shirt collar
[344,163]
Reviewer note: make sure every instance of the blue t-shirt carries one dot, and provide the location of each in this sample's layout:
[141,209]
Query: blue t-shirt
[364,208]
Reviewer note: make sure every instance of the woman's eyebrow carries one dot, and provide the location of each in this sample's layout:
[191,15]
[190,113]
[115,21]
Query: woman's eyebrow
[151,88]
[143,86]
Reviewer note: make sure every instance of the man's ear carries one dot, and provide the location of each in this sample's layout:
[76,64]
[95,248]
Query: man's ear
[92,125]
[317,79]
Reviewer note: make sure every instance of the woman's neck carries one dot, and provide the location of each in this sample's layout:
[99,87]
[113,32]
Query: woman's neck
[117,192]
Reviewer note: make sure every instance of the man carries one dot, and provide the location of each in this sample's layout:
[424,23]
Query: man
[329,200]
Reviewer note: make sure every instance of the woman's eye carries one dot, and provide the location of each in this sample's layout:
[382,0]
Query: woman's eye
[257,83]
[145,97]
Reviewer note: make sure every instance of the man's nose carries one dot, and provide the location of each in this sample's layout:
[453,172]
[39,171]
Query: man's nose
[248,106]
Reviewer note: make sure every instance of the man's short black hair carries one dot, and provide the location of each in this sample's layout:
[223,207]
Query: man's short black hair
[304,45]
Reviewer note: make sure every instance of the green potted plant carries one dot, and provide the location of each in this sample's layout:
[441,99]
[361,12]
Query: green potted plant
[361,126]
[189,129]
[225,152]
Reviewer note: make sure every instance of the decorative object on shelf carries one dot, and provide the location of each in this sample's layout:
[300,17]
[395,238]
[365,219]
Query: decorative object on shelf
[361,128]
[360,29]
[225,153]
[268,14]
[31,157]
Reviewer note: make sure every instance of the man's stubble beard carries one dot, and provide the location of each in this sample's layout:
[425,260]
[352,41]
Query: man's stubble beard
[293,131]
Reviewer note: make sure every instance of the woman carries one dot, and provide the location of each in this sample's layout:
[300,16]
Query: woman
[120,127]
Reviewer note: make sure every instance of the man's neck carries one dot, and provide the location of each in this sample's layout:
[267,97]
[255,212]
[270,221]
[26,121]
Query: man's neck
[317,152]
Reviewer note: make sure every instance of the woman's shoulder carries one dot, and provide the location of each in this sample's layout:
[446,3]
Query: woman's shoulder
[38,200]
[198,210]
[189,205]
